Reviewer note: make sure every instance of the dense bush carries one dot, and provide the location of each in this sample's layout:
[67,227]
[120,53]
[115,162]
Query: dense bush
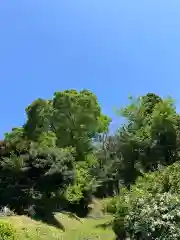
[159,188]
[154,218]
[123,205]
[163,180]
[79,194]
[34,175]
[109,205]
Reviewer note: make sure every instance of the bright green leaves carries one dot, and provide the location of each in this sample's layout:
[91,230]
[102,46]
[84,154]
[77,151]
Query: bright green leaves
[77,114]
[71,118]
[150,130]
[39,115]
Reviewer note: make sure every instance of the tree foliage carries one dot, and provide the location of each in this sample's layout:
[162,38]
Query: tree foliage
[65,153]
[50,154]
[71,119]
[147,140]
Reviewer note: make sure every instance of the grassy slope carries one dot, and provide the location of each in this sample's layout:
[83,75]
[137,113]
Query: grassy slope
[88,229]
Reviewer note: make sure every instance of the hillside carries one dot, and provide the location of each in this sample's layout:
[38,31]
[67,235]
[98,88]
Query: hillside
[86,229]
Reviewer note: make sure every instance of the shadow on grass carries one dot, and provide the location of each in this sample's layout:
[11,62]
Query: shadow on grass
[49,219]
[104,225]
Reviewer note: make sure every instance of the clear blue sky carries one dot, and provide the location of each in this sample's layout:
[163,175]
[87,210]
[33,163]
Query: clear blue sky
[115,48]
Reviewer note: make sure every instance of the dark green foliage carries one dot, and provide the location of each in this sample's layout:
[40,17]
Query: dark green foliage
[28,173]
[39,116]
[109,166]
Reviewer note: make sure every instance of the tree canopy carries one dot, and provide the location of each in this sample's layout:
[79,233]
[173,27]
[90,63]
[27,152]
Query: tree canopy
[65,151]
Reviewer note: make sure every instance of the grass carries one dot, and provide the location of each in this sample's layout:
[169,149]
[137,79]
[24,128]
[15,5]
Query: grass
[86,229]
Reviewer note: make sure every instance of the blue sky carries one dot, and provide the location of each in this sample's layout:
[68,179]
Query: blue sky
[115,48]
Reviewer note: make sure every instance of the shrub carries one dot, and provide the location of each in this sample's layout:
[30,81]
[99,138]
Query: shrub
[161,181]
[79,195]
[164,182]
[118,224]
[109,205]
[7,232]
[154,218]
[123,204]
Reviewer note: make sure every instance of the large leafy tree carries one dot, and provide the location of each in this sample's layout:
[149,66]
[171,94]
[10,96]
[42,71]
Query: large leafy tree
[148,138]
[149,135]
[51,152]
[71,118]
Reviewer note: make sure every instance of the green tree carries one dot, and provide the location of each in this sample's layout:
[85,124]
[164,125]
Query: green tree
[148,138]
[51,152]
[29,173]
[77,119]
[72,118]
[151,127]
